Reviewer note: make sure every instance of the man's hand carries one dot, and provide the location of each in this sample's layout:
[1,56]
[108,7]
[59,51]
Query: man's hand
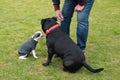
[78,8]
[59,15]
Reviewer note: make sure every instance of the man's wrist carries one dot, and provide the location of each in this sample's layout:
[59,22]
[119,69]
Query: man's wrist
[56,7]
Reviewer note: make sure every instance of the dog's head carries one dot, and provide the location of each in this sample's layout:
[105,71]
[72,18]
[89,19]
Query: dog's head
[48,22]
[37,35]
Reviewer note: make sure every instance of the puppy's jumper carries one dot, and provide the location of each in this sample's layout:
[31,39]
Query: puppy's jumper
[27,47]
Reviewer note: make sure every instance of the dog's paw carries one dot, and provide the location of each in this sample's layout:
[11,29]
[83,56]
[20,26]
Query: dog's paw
[45,64]
[22,58]
[35,57]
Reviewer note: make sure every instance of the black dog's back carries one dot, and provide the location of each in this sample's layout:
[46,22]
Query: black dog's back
[64,45]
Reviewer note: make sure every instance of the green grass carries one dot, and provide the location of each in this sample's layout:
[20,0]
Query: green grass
[20,19]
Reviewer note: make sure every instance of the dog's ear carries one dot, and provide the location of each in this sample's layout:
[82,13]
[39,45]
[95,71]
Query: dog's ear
[54,18]
[43,21]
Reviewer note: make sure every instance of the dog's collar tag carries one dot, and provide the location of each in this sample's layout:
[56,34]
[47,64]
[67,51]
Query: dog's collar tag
[52,28]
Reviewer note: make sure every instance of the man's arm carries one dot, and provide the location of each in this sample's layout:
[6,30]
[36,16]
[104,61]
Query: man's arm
[56,4]
[56,1]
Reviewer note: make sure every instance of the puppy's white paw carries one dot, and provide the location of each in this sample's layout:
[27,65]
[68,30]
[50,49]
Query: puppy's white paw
[21,57]
[35,57]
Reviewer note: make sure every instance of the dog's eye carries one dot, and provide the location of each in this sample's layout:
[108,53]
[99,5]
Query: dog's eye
[37,35]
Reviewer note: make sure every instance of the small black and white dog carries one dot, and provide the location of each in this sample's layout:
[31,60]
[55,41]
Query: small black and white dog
[29,46]
[63,46]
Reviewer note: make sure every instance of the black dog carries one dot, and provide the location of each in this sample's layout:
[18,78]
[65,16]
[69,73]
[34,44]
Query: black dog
[63,46]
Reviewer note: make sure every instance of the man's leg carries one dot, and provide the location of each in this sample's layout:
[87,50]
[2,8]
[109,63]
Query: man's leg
[83,24]
[67,11]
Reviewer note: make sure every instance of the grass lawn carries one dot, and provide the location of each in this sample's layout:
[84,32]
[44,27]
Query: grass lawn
[19,19]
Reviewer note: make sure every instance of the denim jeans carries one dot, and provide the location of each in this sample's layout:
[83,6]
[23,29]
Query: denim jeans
[82,20]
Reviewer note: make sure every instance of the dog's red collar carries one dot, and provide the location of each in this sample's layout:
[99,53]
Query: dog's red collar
[52,28]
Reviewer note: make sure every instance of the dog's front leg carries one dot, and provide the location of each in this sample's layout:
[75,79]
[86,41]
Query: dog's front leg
[50,55]
[34,54]
[23,57]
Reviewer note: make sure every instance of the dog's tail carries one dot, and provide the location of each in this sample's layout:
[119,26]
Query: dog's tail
[91,69]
